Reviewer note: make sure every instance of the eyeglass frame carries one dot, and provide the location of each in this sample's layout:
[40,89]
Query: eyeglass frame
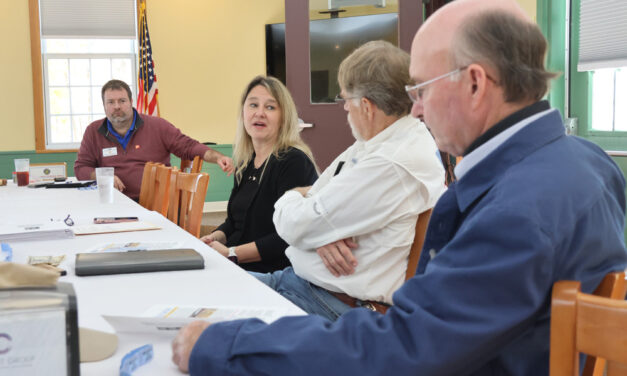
[339,98]
[68,220]
[412,88]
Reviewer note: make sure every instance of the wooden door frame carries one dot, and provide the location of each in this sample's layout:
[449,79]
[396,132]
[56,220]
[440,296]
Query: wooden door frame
[330,134]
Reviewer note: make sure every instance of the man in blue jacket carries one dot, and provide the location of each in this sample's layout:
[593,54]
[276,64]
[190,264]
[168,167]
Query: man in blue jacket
[531,206]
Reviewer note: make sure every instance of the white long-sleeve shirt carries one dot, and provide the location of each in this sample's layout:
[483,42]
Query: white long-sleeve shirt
[384,184]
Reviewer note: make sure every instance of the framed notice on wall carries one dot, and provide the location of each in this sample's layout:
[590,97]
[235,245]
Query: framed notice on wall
[47,171]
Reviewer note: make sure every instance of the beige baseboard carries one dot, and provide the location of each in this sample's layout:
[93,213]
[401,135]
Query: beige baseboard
[215,206]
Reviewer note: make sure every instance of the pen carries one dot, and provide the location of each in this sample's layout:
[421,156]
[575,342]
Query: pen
[114,219]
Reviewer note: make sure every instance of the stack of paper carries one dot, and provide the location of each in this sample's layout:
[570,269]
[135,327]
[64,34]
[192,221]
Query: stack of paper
[164,319]
[37,231]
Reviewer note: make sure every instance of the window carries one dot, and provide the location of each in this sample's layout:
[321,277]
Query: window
[609,94]
[74,71]
[598,85]
[77,46]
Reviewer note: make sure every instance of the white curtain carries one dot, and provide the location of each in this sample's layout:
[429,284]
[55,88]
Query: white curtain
[602,34]
[87,18]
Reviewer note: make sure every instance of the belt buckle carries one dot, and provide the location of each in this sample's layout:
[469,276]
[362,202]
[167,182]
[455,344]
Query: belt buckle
[369,306]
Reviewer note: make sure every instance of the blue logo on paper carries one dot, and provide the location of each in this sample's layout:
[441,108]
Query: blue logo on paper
[5,343]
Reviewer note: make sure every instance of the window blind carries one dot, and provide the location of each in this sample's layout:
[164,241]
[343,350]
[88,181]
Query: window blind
[87,18]
[602,34]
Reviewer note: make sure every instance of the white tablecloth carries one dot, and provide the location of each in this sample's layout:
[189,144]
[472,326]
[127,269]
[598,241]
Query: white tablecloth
[221,283]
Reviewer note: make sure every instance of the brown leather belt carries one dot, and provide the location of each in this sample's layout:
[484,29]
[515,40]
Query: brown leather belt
[354,302]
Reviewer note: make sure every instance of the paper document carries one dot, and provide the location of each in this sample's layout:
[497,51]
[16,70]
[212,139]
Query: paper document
[135,246]
[34,231]
[52,260]
[114,227]
[164,319]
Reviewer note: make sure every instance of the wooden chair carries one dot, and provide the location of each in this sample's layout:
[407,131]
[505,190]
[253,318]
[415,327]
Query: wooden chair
[194,165]
[419,241]
[613,286]
[188,201]
[594,325]
[173,215]
[147,189]
[161,195]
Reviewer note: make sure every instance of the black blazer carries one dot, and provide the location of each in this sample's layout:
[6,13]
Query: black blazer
[291,169]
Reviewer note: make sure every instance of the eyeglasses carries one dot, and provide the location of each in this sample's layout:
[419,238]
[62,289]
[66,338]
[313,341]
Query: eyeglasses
[68,221]
[340,99]
[415,92]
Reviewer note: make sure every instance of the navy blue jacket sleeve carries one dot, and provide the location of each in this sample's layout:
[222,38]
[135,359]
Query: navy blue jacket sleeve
[446,321]
[451,320]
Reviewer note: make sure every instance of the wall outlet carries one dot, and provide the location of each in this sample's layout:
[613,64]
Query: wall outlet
[571,126]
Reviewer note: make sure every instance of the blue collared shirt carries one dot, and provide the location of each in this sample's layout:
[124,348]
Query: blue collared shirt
[123,139]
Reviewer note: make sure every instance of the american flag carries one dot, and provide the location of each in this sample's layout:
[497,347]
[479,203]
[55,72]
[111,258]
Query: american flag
[147,102]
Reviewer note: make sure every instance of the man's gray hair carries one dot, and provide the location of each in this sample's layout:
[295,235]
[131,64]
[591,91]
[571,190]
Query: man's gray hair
[512,46]
[379,71]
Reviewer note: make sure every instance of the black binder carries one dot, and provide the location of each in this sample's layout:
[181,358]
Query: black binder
[137,261]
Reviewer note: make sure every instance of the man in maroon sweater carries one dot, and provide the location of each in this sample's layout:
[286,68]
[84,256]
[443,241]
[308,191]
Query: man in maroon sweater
[127,140]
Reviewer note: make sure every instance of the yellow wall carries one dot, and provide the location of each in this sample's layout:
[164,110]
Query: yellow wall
[17,129]
[529,6]
[202,63]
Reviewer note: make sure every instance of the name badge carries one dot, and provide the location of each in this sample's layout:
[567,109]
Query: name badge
[109,152]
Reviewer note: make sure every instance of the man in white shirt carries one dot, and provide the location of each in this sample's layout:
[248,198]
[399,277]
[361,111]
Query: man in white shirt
[367,201]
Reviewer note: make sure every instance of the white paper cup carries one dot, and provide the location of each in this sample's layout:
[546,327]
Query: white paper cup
[104,179]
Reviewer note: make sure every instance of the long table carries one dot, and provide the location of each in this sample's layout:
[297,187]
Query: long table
[221,283]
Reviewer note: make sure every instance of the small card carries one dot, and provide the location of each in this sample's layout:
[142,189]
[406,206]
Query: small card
[109,152]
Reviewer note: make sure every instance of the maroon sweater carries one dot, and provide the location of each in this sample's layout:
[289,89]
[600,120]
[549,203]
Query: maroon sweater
[153,140]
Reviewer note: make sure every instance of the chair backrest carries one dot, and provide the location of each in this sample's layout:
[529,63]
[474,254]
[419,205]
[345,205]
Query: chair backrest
[189,201]
[419,241]
[147,190]
[175,196]
[194,166]
[161,197]
[585,323]
[613,286]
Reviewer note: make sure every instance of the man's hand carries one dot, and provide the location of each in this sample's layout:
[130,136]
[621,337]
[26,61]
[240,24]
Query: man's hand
[221,248]
[217,235]
[184,343]
[117,184]
[338,257]
[226,164]
[302,190]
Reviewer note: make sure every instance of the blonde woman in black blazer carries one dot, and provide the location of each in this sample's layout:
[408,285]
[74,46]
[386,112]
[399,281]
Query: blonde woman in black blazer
[270,158]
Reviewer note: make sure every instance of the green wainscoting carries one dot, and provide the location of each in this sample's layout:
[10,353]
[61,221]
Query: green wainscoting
[219,189]
[220,185]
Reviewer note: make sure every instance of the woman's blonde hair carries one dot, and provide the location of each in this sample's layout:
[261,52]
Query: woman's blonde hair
[288,135]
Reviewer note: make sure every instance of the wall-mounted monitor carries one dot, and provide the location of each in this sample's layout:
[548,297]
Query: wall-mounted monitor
[331,40]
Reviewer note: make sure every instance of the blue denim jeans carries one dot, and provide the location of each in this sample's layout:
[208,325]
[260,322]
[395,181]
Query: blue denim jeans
[309,297]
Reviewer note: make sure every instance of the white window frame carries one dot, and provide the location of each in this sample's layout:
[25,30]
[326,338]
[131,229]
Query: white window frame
[47,119]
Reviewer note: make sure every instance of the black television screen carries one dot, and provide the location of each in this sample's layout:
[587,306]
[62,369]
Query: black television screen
[275,51]
[331,40]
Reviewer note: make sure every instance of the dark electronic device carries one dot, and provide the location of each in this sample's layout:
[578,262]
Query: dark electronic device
[138,261]
[331,41]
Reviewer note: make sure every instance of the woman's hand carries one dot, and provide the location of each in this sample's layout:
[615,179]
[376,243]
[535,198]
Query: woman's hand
[221,248]
[217,235]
